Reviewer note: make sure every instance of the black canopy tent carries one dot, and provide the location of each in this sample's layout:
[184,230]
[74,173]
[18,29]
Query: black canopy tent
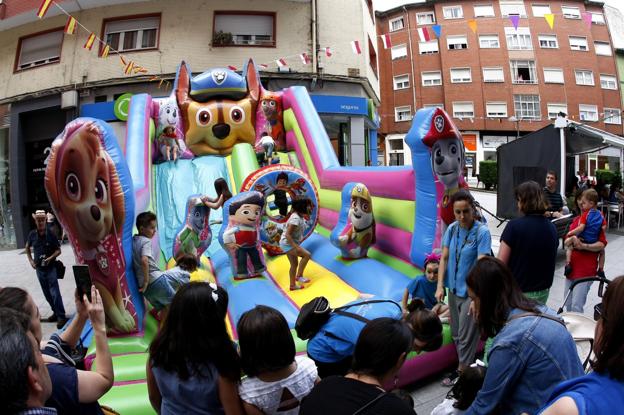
[531,156]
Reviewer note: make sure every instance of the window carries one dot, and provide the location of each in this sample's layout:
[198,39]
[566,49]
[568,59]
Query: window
[570,12]
[553,76]
[428,47]
[431,78]
[372,57]
[493,75]
[461,75]
[548,41]
[396,159]
[425,18]
[132,34]
[518,39]
[463,109]
[247,29]
[597,18]
[608,81]
[612,116]
[512,7]
[527,107]
[401,82]
[38,50]
[588,112]
[578,43]
[489,42]
[483,10]
[496,109]
[584,77]
[433,106]
[539,10]
[555,109]
[523,72]
[402,113]
[397,24]
[396,144]
[453,12]
[602,48]
[457,42]
[398,51]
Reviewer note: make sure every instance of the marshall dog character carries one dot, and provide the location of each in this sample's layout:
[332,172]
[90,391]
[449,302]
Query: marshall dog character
[359,233]
[84,188]
[215,126]
[271,107]
[447,161]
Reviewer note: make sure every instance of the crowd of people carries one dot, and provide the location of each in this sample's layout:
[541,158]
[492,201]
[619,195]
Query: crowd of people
[530,362]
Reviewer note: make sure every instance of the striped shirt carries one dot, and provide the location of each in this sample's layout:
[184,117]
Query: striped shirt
[555,200]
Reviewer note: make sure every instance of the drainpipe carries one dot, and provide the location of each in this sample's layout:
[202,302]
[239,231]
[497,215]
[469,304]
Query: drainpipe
[314,30]
[411,57]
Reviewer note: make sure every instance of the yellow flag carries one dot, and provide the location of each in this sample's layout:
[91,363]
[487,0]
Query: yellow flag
[550,19]
[473,25]
[105,51]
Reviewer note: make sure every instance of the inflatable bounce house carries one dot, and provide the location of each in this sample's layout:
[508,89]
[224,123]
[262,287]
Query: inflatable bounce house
[199,150]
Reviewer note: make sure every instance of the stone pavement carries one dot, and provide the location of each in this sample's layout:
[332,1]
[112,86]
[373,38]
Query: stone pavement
[16,271]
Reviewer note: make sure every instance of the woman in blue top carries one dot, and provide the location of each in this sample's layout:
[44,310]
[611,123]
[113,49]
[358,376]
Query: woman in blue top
[532,350]
[193,366]
[465,241]
[602,391]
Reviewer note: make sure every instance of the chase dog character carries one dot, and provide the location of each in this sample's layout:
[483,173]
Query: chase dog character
[215,126]
[84,188]
[447,160]
[241,237]
[359,234]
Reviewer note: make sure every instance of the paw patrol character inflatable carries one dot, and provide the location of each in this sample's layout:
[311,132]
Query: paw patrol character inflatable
[355,231]
[195,236]
[85,190]
[242,215]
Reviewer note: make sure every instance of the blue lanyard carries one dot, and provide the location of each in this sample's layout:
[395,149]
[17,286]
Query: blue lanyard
[458,252]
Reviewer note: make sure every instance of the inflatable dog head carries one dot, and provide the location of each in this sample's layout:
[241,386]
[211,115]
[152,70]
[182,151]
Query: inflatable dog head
[215,126]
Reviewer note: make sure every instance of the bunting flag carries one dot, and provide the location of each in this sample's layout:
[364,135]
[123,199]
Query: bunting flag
[139,69]
[387,43]
[587,18]
[232,68]
[128,68]
[473,25]
[328,52]
[355,47]
[423,34]
[70,26]
[281,62]
[105,51]
[263,65]
[550,19]
[123,61]
[43,8]
[437,29]
[160,83]
[90,40]
[305,58]
[515,20]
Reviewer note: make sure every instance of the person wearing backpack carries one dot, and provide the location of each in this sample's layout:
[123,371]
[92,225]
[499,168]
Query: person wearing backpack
[332,346]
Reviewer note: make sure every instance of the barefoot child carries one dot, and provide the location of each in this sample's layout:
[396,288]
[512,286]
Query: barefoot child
[424,287]
[591,224]
[169,143]
[290,240]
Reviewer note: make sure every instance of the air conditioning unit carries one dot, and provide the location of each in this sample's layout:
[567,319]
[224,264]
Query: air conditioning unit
[69,99]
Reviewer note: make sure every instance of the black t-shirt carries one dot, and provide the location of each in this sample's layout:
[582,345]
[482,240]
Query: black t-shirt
[337,395]
[555,200]
[533,241]
[42,245]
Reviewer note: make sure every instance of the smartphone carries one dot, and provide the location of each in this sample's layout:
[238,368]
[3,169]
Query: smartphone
[83,280]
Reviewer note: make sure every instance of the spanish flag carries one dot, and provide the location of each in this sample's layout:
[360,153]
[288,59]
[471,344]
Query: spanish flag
[43,8]
[128,68]
[70,26]
[105,51]
[90,40]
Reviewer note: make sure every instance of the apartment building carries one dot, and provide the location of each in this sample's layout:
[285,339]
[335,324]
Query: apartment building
[496,80]
[48,78]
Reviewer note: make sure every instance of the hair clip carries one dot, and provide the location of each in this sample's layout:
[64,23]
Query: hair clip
[215,295]
[478,363]
[432,257]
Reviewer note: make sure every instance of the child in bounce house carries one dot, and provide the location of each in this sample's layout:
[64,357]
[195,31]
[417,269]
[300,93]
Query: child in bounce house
[291,239]
[424,287]
[168,141]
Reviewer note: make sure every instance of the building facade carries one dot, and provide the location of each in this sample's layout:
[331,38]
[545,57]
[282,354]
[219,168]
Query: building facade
[48,78]
[497,81]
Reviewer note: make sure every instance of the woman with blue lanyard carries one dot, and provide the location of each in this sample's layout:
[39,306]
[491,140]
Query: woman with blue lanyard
[464,242]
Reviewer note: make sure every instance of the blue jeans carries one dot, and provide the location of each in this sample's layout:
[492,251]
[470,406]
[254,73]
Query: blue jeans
[578,297]
[51,291]
[161,290]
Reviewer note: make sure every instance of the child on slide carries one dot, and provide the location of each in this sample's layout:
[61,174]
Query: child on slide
[291,239]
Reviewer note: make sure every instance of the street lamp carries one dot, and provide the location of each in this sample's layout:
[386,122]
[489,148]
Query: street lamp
[517,121]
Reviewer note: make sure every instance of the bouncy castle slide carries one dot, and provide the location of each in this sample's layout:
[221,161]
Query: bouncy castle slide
[407,203]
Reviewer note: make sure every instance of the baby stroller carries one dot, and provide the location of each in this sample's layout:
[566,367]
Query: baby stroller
[580,326]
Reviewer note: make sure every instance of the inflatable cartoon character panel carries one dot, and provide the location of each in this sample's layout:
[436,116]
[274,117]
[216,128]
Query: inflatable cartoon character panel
[216,125]
[240,234]
[355,230]
[195,236]
[85,190]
